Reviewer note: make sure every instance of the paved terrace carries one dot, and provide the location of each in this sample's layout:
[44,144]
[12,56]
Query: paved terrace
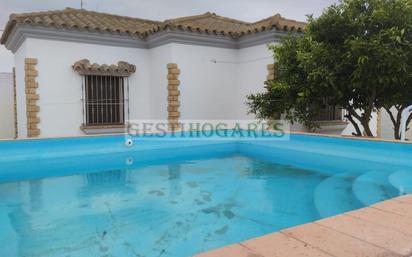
[381,230]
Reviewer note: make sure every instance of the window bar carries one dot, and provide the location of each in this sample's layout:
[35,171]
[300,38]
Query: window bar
[90,110]
[83,97]
[106,119]
[116,105]
[121,101]
[114,101]
[108,83]
[128,101]
[96,99]
[101,116]
[91,106]
[119,87]
[113,97]
[115,85]
[99,100]
[111,102]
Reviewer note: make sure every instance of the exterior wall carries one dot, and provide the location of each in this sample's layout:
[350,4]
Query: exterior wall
[158,58]
[252,73]
[382,124]
[373,124]
[214,82]
[387,126]
[19,61]
[6,105]
[61,88]
[208,90]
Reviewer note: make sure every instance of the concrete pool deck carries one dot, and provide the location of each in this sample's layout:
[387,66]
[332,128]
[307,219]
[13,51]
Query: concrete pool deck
[381,230]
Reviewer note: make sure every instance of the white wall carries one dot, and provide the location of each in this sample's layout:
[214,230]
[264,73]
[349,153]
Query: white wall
[387,125]
[7,59]
[216,81]
[252,73]
[19,57]
[207,90]
[159,57]
[6,105]
[60,88]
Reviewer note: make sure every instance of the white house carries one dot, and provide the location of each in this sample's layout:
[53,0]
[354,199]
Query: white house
[80,71]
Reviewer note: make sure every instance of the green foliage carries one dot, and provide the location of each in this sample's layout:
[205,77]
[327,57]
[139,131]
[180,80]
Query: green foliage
[357,55]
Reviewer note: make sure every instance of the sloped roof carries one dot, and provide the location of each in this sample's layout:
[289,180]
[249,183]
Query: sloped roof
[212,23]
[83,20]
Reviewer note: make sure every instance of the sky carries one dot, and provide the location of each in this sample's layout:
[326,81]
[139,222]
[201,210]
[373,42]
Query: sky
[247,10]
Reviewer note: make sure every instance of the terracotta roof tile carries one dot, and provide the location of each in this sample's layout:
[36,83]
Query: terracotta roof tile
[209,23]
[215,24]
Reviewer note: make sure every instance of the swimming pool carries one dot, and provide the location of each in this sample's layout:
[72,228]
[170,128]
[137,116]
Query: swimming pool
[95,197]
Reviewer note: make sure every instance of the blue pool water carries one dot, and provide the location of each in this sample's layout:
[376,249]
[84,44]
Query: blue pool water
[96,197]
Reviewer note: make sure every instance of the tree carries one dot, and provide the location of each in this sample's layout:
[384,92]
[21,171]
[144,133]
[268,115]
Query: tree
[356,55]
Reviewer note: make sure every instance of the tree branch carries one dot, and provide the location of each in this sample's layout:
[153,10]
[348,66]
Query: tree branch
[355,125]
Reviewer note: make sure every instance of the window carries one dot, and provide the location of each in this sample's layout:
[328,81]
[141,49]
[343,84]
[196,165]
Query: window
[104,100]
[330,113]
[105,95]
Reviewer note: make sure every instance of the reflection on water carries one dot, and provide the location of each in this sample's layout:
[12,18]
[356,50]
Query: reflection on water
[36,191]
[118,177]
[174,179]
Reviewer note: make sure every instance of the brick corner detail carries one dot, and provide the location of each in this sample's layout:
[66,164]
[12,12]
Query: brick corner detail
[173,105]
[32,97]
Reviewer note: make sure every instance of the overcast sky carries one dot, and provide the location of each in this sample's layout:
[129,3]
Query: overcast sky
[248,10]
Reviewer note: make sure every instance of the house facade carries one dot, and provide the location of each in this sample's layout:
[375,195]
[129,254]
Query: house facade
[80,72]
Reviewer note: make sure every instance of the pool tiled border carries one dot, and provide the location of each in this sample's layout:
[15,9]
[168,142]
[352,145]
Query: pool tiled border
[373,139]
[381,230]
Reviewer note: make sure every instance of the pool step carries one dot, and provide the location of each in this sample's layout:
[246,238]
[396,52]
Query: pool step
[373,187]
[333,195]
[402,181]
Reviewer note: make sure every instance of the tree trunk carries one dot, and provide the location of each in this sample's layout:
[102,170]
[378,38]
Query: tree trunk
[355,125]
[364,121]
[396,121]
[367,129]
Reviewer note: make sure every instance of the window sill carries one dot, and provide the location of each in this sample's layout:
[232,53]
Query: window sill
[103,129]
[331,123]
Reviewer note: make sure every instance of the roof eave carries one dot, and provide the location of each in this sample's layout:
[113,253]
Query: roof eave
[7,30]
